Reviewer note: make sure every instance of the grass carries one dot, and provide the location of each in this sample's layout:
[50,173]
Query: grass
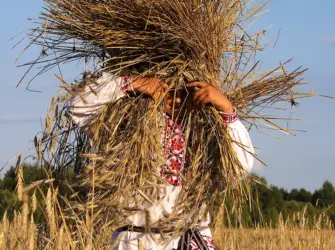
[69,231]
[281,238]
[13,237]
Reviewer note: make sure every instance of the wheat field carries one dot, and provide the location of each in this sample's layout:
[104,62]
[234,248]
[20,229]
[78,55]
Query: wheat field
[21,231]
[285,238]
[229,239]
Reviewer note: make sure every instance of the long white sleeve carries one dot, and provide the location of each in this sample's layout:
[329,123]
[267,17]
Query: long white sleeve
[84,107]
[242,145]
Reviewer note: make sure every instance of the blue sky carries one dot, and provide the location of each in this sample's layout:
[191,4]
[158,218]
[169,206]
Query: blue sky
[307,34]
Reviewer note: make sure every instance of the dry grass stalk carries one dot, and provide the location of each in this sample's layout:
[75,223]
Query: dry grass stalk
[25,213]
[179,42]
[33,202]
[50,211]
[19,178]
[32,233]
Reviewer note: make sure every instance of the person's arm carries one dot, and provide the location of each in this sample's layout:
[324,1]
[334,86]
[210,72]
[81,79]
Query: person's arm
[85,106]
[208,94]
[242,144]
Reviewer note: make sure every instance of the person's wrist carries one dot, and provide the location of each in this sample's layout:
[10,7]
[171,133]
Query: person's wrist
[137,84]
[145,86]
[227,108]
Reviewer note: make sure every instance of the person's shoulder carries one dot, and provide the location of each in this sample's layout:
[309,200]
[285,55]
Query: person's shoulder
[106,76]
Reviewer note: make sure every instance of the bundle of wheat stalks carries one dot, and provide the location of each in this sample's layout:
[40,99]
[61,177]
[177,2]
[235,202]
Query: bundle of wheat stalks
[178,41]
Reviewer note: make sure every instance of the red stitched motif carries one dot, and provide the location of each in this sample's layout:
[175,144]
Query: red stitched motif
[173,142]
[207,240]
[127,85]
[229,118]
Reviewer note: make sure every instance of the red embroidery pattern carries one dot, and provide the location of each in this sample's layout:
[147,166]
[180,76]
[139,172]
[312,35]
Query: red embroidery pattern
[127,85]
[207,240]
[229,118]
[173,142]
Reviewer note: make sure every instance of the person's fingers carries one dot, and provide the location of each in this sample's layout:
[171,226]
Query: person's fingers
[159,86]
[197,84]
[161,90]
[164,87]
[200,98]
[165,90]
[200,93]
[204,101]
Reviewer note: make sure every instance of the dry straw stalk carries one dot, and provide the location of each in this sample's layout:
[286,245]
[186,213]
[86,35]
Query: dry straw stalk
[178,41]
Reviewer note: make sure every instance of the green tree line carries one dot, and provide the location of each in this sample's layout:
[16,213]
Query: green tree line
[268,202]
[8,196]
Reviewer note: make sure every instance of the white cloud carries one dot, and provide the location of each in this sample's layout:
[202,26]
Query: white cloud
[330,40]
[18,119]
[258,166]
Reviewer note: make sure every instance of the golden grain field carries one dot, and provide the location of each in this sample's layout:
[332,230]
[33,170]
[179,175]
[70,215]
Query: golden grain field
[66,229]
[23,233]
[294,238]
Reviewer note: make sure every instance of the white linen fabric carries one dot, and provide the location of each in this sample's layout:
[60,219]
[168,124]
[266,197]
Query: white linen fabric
[133,241]
[85,107]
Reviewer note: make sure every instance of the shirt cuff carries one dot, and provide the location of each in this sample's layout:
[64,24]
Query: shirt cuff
[127,85]
[229,118]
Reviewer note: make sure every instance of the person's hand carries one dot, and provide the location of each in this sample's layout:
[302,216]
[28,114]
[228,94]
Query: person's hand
[153,87]
[208,94]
